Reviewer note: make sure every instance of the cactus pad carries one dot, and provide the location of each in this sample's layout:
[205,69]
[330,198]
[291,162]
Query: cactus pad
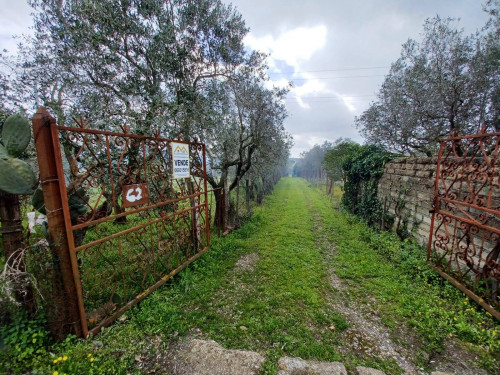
[3,153]
[16,134]
[16,177]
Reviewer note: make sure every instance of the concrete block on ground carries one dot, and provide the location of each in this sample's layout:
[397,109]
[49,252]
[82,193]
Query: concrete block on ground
[368,371]
[200,357]
[291,366]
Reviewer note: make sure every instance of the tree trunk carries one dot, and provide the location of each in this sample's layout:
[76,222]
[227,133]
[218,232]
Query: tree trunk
[247,194]
[237,198]
[12,240]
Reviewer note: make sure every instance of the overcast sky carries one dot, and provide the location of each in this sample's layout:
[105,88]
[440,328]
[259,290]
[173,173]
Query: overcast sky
[336,52]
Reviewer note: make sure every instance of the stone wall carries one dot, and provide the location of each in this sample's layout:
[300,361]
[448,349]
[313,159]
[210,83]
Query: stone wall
[406,191]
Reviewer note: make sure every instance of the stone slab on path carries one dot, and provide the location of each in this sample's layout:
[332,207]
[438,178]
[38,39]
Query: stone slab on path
[206,357]
[297,366]
[368,371]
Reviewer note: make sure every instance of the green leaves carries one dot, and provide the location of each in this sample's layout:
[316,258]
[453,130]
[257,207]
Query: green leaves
[363,167]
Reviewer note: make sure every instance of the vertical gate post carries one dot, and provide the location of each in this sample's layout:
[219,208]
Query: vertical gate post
[66,315]
[205,194]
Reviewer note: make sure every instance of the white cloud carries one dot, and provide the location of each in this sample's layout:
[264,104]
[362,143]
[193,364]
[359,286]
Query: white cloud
[15,20]
[292,46]
[348,101]
[312,87]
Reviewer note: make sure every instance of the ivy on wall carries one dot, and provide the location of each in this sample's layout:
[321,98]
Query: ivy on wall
[363,167]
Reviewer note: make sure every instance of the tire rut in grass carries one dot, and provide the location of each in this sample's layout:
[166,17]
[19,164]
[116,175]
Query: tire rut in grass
[367,337]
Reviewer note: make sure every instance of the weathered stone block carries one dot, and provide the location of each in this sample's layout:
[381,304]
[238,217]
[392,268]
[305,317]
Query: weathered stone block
[368,371]
[291,366]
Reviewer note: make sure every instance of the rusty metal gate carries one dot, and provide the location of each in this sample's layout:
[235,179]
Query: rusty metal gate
[464,243]
[122,218]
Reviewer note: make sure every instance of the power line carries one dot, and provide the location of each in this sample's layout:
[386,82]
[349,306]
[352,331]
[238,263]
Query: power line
[331,103]
[328,97]
[328,101]
[313,78]
[329,70]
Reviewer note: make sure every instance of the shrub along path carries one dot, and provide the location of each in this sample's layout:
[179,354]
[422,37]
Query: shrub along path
[300,279]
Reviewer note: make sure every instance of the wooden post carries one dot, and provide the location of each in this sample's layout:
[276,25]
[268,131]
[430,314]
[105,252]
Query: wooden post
[66,317]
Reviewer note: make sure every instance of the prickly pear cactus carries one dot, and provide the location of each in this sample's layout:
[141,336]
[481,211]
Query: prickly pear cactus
[16,134]
[3,152]
[16,176]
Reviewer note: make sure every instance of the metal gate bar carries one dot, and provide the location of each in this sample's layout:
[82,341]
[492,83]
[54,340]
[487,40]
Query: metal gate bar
[122,225]
[464,240]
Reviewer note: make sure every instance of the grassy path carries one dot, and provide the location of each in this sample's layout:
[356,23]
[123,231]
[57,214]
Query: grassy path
[300,279]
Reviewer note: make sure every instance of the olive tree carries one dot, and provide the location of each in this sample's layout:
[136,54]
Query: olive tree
[445,84]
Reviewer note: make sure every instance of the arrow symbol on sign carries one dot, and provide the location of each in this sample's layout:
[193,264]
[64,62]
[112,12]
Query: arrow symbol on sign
[134,197]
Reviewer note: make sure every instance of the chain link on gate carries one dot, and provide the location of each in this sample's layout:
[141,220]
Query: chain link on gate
[121,217]
[464,243]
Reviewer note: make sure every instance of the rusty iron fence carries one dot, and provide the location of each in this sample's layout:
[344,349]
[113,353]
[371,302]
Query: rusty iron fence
[121,220]
[464,241]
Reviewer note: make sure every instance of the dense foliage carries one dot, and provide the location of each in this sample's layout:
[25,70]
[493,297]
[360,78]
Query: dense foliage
[363,166]
[333,160]
[357,168]
[445,83]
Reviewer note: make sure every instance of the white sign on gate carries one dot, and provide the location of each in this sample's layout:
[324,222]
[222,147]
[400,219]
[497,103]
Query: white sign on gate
[180,160]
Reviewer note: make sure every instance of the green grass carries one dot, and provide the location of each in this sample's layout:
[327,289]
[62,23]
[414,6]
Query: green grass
[281,307]
[379,265]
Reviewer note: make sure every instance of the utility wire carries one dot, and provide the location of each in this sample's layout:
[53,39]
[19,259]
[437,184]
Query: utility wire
[313,78]
[329,70]
[328,97]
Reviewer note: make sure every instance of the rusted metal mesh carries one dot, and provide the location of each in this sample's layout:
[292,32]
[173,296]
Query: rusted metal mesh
[464,243]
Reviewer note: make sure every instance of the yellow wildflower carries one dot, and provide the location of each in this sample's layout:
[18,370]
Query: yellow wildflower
[65,358]
[55,373]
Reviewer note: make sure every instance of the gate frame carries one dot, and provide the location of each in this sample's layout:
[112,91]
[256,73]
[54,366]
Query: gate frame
[436,210]
[69,305]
